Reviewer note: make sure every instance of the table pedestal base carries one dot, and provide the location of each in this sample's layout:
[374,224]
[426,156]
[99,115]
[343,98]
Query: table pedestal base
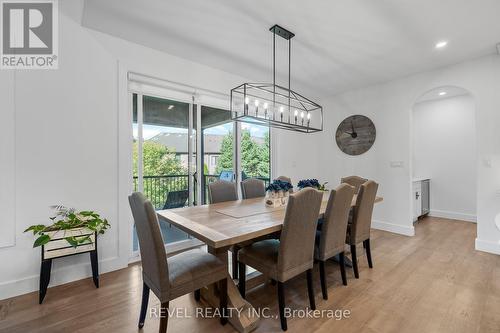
[242,314]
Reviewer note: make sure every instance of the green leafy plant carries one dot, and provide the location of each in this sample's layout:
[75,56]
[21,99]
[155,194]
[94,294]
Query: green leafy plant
[66,219]
[322,187]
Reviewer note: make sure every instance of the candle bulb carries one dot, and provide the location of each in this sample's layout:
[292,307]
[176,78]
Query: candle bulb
[256,107]
[302,117]
[265,110]
[308,119]
[295,114]
[247,100]
[281,112]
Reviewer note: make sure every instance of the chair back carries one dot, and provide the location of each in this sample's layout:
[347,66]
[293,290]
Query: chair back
[362,212]
[153,254]
[355,181]
[253,188]
[176,199]
[221,190]
[285,179]
[335,221]
[298,233]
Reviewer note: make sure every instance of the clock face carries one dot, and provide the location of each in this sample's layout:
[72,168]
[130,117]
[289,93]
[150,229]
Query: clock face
[355,135]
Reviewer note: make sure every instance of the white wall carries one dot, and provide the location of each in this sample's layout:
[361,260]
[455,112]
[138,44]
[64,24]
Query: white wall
[7,163]
[390,107]
[444,149]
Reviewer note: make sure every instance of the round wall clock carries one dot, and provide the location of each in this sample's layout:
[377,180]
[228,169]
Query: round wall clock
[355,135]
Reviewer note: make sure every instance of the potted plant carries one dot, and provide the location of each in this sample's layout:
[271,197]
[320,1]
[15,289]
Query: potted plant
[70,233]
[75,228]
[277,193]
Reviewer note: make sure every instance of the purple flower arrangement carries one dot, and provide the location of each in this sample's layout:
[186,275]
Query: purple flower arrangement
[314,183]
[279,185]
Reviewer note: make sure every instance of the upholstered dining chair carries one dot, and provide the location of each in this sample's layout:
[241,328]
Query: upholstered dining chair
[292,254]
[221,191]
[253,188]
[285,179]
[176,276]
[358,230]
[330,240]
[355,181]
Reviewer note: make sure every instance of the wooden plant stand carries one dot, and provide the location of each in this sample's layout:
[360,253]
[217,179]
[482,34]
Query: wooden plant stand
[58,247]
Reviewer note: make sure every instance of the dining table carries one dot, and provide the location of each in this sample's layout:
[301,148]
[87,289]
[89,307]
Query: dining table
[222,225]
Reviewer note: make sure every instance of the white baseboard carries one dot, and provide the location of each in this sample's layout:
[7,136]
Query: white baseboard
[60,276]
[487,246]
[394,228]
[453,215]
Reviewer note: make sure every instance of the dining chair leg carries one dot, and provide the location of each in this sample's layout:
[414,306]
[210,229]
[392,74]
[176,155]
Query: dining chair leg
[234,262]
[163,317]
[197,295]
[281,303]
[368,252]
[354,261]
[310,289]
[323,279]
[223,301]
[144,305]
[242,278]
[342,268]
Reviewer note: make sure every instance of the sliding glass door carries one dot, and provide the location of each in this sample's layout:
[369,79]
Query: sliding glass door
[161,151]
[255,152]
[169,126]
[217,147]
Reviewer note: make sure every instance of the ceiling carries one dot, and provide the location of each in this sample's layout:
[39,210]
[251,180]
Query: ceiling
[339,45]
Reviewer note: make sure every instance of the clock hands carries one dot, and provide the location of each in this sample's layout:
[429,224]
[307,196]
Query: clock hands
[353,134]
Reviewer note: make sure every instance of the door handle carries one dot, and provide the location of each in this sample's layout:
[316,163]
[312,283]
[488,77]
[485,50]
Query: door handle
[417,195]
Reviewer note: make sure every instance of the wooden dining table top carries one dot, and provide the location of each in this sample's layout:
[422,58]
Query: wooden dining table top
[232,222]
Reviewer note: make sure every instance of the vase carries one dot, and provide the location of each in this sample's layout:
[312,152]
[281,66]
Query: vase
[275,199]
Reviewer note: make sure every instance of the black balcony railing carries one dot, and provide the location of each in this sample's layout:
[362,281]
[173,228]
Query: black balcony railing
[156,188]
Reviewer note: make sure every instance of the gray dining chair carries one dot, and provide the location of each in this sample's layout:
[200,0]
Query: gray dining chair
[179,274]
[285,179]
[250,188]
[221,191]
[358,230]
[253,188]
[330,240]
[291,255]
[355,181]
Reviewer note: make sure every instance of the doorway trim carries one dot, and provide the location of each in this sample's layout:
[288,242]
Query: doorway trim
[466,92]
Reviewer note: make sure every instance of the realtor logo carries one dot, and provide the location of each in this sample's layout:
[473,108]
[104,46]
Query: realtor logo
[29,34]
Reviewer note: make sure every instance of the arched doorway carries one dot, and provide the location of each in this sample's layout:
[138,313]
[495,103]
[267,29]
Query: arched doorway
[444,155]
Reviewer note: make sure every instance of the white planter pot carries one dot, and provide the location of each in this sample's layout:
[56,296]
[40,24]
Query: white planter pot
[58,246]
[277,199]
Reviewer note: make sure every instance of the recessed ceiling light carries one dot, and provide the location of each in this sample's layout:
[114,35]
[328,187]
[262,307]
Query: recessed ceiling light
[442,93]
[441,44]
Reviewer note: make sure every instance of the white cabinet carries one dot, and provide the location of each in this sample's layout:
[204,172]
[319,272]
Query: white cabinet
[421,197]
[417,200]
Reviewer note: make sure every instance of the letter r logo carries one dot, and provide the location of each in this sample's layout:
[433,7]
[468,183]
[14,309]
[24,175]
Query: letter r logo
[27,28]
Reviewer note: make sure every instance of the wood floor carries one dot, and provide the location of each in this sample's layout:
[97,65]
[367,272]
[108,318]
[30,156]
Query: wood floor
[433,282]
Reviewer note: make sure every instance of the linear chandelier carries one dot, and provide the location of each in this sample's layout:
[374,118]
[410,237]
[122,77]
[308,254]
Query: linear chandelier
[274,105]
